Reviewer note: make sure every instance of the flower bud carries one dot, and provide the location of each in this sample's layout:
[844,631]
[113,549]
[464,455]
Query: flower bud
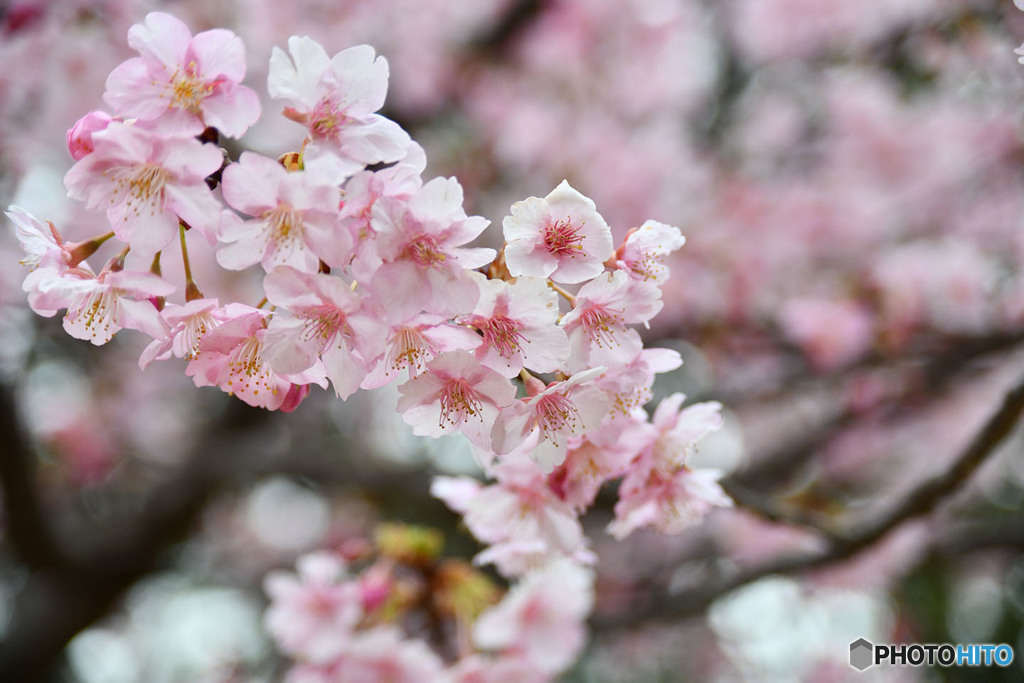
[79,136]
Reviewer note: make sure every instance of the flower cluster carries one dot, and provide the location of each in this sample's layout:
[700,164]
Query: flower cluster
[370,278]
[337,615]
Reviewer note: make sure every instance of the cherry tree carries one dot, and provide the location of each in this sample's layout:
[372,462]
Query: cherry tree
[575,379]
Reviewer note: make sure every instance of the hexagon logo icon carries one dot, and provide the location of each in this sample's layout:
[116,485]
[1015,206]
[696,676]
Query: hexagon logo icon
[861,652]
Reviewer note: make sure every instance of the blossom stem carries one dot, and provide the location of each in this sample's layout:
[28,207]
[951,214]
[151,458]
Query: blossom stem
[568,297]
[85,249]
[192,291]
[116,264]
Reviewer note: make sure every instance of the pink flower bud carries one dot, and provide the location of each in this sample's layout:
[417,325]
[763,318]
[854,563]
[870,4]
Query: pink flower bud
[79,136]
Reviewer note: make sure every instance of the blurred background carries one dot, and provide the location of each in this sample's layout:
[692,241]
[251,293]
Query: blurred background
[850,180]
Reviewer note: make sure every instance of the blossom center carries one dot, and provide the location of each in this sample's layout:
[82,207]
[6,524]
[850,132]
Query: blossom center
[424,251]
[408,349]
[285,225]
[326,121]
[600,324]
[502,334]
[556,415]
[97,313]
[143,187]
[561,238]
[189,89]
[322,323]
[646,266]
[248,369]
[193,332]
[459,402]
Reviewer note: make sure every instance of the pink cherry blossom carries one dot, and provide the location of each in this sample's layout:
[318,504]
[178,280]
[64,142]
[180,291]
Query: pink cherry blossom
[320,317]
[147,183]
[115,300]
[376,654]
[425,263]
[335,99]
[41,242]
[312,614]
[543,617]
[79,136]
[518,324]
[642,254]
[629,386]
[361,192]
[561,411]
[188,325]
[520,518]
[455,393]
[661,490]
[232,356]
[296,218]
[51,288]
[599,456]
[58,271]
[561,236]
[414,343]
[183,83]
[669,504]
[597,324]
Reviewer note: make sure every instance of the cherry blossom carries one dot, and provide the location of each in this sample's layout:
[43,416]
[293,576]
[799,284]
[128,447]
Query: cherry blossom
[559,412]
[517,322]
[596,326]
[183,83]
[147,183]
[599,456]
[642,254]
[335,99]
[188,325]
[561,236]
[542,617]
[523,522]
[295,218]
[319,317]
[455,393]
[41,242]
[313,613]
[115,300]
[233,357]
[414,343]
[629,386]
[425,263]
[378,654]
[660,489]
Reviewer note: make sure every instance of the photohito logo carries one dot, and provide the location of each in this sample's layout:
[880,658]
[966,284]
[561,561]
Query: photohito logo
[864,654]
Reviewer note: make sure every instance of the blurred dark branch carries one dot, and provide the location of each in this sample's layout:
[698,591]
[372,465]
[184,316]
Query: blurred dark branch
[65,594]
[517,17]
[930,377]
[661,605]
[24,520]
[926,497]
